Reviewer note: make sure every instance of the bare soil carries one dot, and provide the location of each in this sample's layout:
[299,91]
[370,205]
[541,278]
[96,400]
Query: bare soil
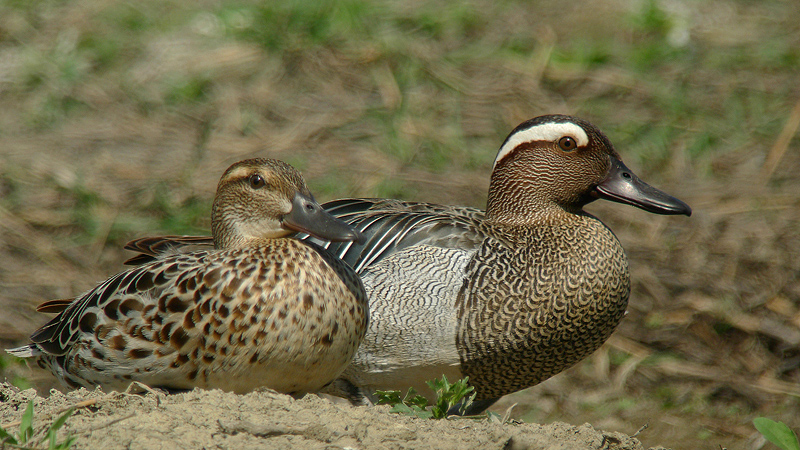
[269,420]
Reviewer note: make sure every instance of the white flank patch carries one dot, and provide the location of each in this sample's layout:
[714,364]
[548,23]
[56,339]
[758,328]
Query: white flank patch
[548,132]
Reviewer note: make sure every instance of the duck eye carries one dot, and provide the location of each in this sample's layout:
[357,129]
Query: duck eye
[256,181]
[567,143]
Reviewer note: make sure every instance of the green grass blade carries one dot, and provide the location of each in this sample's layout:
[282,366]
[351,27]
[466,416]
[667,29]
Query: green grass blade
[52,432]
[61,420]
[6,438]
[777,433]
[67,444]
[26,424]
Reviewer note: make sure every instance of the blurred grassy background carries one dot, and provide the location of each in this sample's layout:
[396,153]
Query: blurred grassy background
[117,118]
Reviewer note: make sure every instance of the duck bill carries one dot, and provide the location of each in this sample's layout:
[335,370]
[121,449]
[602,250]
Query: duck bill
[307,216]
[623,186]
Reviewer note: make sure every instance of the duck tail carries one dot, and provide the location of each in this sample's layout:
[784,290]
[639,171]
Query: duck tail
[28,351]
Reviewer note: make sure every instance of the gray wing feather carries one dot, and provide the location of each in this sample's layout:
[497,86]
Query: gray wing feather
[391,226]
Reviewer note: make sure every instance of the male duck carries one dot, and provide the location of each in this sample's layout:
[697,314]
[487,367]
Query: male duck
[258,310]
[510,296]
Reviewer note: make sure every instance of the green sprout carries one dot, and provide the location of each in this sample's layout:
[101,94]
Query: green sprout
[447,396]
[777,433]
[24,439]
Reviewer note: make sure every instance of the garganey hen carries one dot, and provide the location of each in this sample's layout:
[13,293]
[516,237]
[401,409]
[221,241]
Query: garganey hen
[261,309]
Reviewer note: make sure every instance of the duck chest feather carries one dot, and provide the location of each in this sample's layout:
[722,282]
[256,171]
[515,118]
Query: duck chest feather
[536,300]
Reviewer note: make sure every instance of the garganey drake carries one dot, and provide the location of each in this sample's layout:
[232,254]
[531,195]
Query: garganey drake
[509,296]
[259,309]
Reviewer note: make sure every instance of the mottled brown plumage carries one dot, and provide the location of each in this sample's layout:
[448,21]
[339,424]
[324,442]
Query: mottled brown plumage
[526,312]
[261,310]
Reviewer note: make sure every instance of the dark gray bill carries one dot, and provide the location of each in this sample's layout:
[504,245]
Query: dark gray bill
[623,186]
[307,216]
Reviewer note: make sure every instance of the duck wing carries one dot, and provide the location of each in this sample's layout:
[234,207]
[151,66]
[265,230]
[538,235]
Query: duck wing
[54,306]
[392,225]
[151,248]
[112,298]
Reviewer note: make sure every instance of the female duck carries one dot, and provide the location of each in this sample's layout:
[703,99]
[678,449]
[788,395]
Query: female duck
[260,310]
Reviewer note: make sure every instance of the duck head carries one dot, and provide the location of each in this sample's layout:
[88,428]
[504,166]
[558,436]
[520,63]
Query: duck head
[561,163]
[266,198]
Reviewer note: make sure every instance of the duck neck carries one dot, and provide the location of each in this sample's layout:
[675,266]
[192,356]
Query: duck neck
[226,235]
[522,206]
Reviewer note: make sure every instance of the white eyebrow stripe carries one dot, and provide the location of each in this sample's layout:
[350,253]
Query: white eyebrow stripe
[549,132]
[239,172]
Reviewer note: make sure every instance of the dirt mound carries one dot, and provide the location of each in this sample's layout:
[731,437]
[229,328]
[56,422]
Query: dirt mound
[268,420]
